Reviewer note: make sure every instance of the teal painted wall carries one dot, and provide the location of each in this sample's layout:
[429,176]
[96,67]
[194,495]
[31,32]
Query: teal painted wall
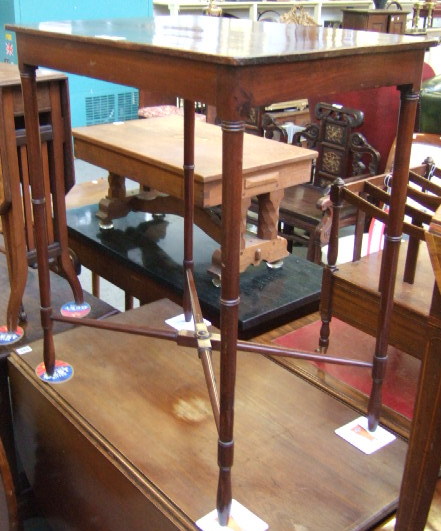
[92,101]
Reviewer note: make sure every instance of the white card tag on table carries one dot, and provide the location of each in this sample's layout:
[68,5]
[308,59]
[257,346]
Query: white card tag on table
[180,323]
[23,350]
[241,519]
[358,434]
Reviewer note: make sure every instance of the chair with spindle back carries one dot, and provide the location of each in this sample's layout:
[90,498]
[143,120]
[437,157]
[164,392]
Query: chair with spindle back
[352,291]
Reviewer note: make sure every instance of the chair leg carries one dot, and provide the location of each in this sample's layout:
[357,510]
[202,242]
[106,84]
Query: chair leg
[328,272]
[95,285]
[325,310]
[128,301]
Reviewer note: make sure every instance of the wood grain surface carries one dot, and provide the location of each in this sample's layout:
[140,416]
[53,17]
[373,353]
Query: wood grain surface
[141,403]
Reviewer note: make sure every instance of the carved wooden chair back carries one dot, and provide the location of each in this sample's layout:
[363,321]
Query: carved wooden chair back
[340,149]
[342,152]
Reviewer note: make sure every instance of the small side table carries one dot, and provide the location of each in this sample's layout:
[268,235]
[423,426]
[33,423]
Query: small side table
[15,196]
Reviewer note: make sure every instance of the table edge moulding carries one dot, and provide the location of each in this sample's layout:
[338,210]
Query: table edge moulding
[232,64]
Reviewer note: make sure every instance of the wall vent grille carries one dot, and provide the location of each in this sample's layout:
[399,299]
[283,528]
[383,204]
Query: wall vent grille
[100,109]
[111,107]
[128,103]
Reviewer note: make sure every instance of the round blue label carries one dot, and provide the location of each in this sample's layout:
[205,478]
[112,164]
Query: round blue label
[72,309]
[62,372]
[8,337]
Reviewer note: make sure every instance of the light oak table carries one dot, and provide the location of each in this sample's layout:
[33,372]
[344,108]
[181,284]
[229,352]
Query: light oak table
[232,65]
[151,152]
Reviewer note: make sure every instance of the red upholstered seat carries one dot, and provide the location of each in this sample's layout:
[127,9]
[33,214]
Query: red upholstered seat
[159,110]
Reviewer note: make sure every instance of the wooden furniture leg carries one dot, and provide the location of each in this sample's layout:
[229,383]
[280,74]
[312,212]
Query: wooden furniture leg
[268,215]
[28,80]
[17,265]
[95,285]
[232,152]
[12,217]
[60,129]
[424,453]
[409,103]
[188,199]
[115,204]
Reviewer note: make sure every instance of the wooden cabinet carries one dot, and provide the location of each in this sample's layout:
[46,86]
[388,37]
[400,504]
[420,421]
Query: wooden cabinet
[381,20]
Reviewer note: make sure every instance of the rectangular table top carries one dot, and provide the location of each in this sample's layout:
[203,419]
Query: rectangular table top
[204,38]
[151,152]
[143,402]
[230,63]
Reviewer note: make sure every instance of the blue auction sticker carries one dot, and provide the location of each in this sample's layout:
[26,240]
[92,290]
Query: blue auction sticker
[8,337]
[62,372]
[72,309]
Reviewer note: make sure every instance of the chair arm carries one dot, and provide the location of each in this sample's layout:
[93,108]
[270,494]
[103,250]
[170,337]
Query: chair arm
[270,127]
[322,231]
[360,147]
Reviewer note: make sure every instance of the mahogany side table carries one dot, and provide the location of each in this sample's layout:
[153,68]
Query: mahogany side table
[230,64]
[15,196]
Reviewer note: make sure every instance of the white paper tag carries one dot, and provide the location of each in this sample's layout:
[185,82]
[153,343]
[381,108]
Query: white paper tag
[180,323]
[23,350]
[358,434]
[241,519]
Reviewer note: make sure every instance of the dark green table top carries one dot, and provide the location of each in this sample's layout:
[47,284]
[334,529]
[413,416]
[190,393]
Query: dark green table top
[269,297]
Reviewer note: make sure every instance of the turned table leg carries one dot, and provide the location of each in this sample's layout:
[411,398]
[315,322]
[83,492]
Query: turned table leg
[232,153]
[28,80]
